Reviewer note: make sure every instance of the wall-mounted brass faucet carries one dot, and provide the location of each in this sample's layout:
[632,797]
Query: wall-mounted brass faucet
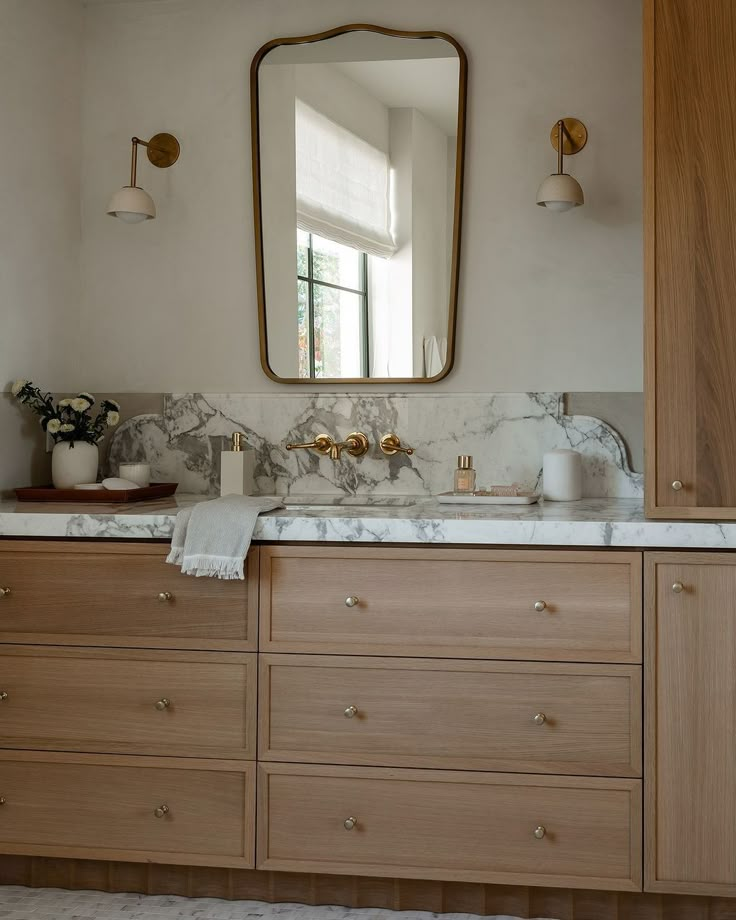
[356,444]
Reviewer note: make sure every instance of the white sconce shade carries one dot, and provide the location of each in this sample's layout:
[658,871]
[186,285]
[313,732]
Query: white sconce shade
[560,192]
[132,204]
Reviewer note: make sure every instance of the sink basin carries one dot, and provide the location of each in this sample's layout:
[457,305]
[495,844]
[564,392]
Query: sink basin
[350,501]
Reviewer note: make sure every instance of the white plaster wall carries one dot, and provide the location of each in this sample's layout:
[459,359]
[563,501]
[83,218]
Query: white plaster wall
[40,114]
[547,301]
[430,286]
[278,198]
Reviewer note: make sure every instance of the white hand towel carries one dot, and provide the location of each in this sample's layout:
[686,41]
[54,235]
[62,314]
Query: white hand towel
[212,539]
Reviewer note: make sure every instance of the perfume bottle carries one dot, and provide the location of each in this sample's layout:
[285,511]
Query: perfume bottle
[465,474]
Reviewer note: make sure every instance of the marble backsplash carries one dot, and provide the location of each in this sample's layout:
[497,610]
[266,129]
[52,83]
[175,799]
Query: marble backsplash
[507,434]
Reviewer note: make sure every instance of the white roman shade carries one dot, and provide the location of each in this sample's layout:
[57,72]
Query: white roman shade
[342,185]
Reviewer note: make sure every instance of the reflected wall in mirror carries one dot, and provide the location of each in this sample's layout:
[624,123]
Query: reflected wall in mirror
[358,145]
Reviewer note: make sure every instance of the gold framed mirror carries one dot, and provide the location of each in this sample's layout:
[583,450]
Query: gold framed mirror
[358,138]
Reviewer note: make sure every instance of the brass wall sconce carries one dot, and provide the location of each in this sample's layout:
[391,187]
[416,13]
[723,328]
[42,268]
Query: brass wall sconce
[560,192]
[132,203]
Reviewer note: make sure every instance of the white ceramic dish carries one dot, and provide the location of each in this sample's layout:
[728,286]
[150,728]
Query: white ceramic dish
[454,498]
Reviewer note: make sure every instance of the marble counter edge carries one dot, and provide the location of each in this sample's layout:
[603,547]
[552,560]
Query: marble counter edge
[604,523]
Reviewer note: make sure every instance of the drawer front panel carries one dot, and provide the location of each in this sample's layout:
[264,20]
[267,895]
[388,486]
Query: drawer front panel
[143,702]
[555,718]
[541,605]
[122,596]
[107,810]
[463,826]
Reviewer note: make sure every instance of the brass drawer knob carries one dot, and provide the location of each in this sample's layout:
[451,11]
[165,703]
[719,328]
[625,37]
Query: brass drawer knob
[165,596]
[540,831]
[163,704]
[2,799]
[3,696]
[4,592]
[161,811]
[352,601]
[539,719]
[539,606]
[678,587]
[677,485]
[351,712]
[349,823]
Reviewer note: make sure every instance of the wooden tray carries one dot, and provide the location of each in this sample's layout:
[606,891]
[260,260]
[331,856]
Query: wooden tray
[96,496]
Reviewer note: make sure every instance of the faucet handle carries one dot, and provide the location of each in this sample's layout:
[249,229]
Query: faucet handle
[391,444]
[322,443]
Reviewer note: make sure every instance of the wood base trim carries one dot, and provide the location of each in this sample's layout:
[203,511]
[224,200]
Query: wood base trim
[354,891]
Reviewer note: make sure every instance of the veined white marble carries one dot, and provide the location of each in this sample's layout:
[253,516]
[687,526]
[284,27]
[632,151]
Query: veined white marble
[591,522]
[507,434]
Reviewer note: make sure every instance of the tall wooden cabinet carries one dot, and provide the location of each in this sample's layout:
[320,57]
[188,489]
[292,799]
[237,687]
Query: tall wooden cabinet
[690,725]
[690,257]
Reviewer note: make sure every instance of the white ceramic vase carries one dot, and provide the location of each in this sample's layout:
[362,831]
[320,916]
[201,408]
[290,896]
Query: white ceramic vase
[73,463]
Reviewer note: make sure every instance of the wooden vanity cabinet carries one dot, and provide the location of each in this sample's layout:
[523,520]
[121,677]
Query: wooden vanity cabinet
[127,706]
[690,718]
[690,257]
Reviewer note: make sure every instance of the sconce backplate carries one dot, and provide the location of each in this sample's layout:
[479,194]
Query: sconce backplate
[574,140]
[163,150]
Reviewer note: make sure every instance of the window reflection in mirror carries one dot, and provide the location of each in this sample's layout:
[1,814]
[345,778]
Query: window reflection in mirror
[359,147]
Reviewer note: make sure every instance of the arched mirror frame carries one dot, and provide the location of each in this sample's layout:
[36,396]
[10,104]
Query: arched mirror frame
[457,215]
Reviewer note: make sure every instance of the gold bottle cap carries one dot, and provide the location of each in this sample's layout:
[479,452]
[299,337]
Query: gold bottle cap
[465,462]
[237,441]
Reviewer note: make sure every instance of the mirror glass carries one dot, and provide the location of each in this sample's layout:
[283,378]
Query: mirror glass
[358,156]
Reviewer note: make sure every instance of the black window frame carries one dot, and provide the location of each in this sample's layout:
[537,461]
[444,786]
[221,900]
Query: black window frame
[362,292]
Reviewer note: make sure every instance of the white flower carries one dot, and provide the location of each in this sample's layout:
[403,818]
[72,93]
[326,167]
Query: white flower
[80,404]
[18,386]
[63,403]
[113,418]
[113,404]
[89,397]
[66,427]
[54,426]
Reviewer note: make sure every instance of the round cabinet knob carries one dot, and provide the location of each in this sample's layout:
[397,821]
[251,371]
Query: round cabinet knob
[677,485]
[678,587]
[349,823]
[539,719]
[351,712]
[165,596]
[2,799]
[539,606]
[3,696]
[352,601]
[163,704]
[4,592]
[161,811]
[540,831]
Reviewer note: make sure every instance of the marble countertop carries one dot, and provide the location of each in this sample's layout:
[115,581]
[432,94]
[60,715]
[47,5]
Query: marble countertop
[591,522]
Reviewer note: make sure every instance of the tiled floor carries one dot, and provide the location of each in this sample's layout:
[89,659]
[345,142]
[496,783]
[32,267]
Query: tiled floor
[53,904]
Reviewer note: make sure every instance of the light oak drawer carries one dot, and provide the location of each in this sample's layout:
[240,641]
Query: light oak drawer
[453,603]
[187,704]
[109,594]
[451,714]
[477,827]
[93,807]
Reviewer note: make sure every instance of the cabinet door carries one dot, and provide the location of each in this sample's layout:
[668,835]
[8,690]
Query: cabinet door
[690,739]
[690,257]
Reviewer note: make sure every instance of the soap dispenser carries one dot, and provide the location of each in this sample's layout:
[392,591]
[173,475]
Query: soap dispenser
[237,468]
